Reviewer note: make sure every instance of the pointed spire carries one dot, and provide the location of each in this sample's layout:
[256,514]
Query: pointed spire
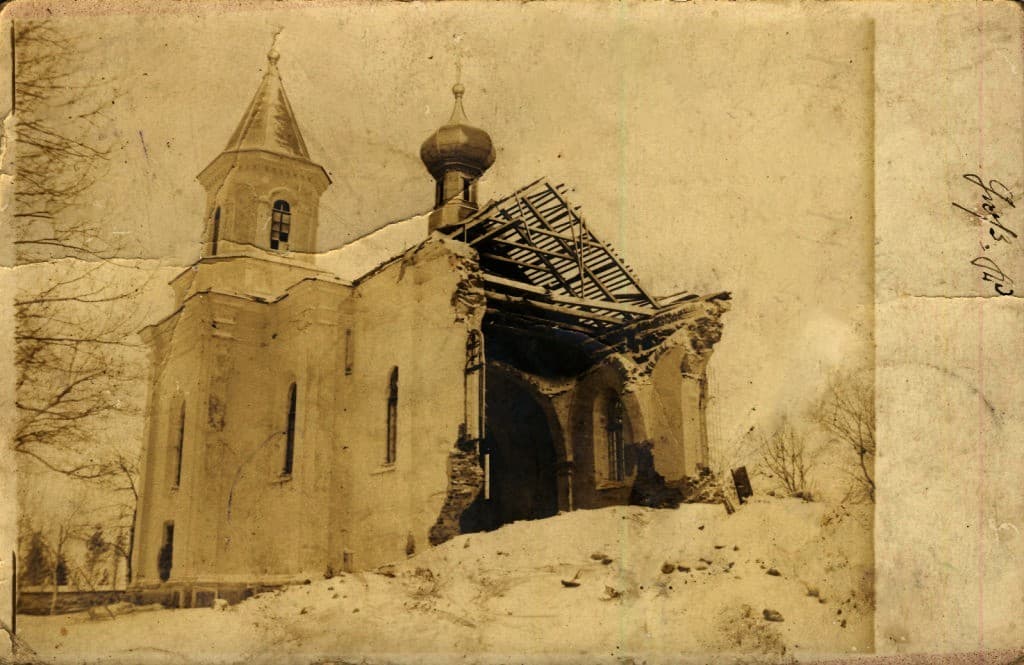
[269,122]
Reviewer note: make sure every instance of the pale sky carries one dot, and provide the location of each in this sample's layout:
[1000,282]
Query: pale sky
[712,160]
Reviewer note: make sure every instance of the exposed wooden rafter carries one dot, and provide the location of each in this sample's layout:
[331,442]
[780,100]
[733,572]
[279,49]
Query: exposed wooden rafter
[542,262]
[567,300]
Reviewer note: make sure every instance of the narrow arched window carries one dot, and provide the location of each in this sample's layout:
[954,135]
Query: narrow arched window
[280,225]
[289,442]
[466,183]
[392,442]
[349,352]
[215,233]
[615,430]
[179,447]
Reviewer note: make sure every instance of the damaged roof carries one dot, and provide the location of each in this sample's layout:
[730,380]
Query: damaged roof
[543,266]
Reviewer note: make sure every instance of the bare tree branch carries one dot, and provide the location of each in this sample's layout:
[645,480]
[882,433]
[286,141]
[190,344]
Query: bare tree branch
[76,306]
[786,456]
[847,412]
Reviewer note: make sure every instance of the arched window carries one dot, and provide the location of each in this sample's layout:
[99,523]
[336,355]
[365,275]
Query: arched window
[466,183]
[620,458]
[215,234]
[289,442]
[392,442]
[280,225]
[349,352]
[179,446]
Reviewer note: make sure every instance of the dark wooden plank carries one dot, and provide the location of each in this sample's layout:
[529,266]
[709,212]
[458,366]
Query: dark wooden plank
[536,320]
[567,300]
[505,259]
[531,249]
[550,307]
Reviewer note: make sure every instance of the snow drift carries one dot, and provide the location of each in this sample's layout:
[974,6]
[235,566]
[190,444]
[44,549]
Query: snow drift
[780,577]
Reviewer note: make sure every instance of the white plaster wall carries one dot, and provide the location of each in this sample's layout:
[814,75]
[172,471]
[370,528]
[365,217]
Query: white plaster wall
[404,317]
[674,408]
[236,518]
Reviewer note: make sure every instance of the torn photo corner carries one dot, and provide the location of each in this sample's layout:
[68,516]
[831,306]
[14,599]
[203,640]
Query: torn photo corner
[575,332]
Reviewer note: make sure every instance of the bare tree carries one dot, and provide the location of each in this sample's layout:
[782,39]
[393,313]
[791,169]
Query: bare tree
[125,482]
[74,305]
[787,457]
[33,566]
[97,552]
[847,412]
[74,357]
[59,145]
[63,525]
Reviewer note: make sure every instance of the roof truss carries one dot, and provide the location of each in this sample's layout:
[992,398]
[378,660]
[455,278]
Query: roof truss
[541,260]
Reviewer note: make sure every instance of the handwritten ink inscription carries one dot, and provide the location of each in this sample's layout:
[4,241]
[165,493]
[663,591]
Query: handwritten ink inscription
[991,212]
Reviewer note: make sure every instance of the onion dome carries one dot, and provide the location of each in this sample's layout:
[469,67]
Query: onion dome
[457,144]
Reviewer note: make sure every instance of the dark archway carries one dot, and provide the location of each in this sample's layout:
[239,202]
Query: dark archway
[523,479]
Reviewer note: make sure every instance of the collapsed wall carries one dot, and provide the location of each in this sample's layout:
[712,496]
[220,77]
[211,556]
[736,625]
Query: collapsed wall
[547,399]
[464,471]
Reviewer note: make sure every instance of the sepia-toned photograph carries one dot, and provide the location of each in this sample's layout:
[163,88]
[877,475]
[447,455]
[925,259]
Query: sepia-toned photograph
[490,332]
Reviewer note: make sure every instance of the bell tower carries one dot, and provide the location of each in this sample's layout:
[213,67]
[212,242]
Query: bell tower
[456,155]
[263,191]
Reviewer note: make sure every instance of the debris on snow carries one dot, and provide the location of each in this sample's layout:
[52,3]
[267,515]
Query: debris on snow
[457,596]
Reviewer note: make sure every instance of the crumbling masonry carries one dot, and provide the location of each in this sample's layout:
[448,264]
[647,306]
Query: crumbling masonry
[476,365]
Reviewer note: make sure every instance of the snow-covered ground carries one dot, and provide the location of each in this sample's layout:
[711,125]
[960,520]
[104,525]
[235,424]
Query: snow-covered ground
[500,597]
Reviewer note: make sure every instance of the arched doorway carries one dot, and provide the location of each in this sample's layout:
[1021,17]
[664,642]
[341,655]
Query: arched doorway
[523,480]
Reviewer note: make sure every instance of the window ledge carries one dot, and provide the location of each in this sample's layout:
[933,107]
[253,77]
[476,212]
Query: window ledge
[282,479]
[175,488]
[383,468]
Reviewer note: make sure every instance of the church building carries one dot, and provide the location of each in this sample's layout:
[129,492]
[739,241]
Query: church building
[479,364]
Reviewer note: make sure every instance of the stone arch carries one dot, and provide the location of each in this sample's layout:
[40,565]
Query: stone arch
[284,192]
[593,485]
[563,452]
[613,374]
[525,440]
